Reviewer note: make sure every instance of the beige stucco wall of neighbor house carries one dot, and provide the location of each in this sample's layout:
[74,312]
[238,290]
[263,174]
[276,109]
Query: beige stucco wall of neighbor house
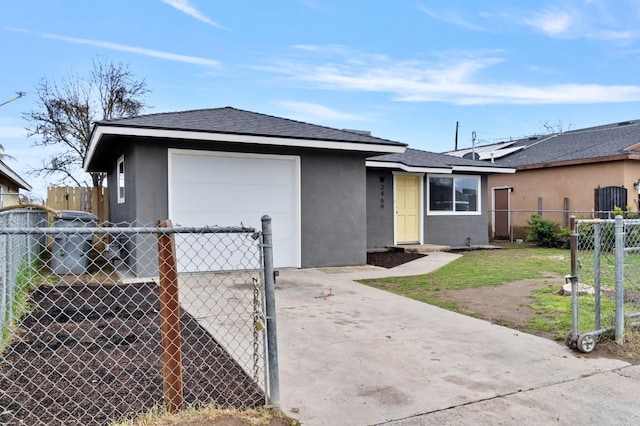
[551,185]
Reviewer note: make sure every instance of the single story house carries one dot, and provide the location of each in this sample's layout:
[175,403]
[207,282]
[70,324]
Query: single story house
[228,167]
[10,185]
[420,197]
[330,192]
[583,172]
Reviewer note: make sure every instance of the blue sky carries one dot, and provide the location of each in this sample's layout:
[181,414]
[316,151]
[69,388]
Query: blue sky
[406,70]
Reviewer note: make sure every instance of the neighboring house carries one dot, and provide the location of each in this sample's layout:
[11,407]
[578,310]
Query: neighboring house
[420,197]
[229,167]
[10,186]
[582,172]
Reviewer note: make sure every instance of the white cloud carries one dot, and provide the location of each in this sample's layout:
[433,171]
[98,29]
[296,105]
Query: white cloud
[311,4]
[124,48]
[552,21]
[615,35]
[330,48]
[186,7]
[456,81]
[307,111]
[592,20]
[451,17]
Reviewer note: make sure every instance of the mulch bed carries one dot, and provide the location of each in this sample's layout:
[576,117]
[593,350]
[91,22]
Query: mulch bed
[391,258]
[91,354]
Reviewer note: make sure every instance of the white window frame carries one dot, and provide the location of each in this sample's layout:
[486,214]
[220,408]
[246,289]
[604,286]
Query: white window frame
[120,180]
[478,210]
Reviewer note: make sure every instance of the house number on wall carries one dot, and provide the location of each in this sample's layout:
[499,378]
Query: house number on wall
[382,192]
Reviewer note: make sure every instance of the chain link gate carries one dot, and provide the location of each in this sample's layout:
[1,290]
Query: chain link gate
[605,280]
[102,324]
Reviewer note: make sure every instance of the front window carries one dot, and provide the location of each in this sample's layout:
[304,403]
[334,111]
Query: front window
[120,179]
[454,195]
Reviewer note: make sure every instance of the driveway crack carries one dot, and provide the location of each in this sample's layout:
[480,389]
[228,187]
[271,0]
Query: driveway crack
[492,398]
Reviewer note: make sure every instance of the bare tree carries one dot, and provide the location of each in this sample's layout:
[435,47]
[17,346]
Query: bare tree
[557,127]
[67,111]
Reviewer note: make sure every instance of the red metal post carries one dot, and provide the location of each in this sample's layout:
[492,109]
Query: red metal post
[170,321]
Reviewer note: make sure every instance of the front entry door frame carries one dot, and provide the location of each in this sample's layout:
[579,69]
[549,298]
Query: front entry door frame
[420,189]
[501,220]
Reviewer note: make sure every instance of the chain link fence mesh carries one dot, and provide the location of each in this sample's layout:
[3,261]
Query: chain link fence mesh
[99,326]
[606,284]
[513,224]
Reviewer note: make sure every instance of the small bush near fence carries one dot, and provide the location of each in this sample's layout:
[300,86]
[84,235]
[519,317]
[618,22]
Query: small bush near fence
[546,233]
[95,335]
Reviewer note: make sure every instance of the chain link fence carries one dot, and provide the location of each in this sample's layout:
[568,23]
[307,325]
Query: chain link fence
[15,254]
[513,224]
[102,324]
[605,280]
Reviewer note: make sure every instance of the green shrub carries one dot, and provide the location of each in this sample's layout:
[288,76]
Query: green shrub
[546,233]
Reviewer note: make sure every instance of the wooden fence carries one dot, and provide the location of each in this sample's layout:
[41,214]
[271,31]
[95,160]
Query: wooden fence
[78,198]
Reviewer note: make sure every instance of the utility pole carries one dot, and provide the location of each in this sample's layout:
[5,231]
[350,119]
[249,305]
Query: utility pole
[457,126]
[18,96]
[473,145]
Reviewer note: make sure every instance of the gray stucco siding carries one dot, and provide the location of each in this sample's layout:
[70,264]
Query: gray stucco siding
[145,186]
[380,209]
[334,211]
[449,229]
[332,194]
[144,202]
[458,230]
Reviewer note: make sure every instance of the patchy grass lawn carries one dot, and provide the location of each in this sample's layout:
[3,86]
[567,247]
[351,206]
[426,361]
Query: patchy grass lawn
[518,286]
[479,268]
[525,277]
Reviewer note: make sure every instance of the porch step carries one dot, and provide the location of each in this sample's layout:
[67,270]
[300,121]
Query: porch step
[420,248]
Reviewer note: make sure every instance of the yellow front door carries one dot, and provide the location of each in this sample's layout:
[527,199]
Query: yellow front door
[407,209]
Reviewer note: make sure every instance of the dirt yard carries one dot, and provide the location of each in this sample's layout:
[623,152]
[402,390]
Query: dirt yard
[506,305]
[89,354]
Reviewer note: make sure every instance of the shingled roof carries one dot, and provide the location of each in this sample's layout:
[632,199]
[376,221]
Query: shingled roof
[418,160]
[230,120]
[614,141]
[228,125]
[220,125]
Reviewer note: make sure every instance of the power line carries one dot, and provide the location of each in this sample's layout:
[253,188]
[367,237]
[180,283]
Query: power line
[18,96]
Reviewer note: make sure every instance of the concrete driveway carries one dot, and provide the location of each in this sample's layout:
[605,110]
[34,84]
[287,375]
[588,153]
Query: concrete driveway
[354,355]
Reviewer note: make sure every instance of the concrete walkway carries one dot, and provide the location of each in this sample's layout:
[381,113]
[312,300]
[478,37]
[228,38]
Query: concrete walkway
[354,355]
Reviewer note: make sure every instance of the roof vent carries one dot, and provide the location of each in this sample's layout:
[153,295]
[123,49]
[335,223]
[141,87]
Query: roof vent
[533,138]
[358,132]
[471,156]
[625,123]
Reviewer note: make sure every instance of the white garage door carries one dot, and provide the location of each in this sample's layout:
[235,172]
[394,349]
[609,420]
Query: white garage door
[230,189]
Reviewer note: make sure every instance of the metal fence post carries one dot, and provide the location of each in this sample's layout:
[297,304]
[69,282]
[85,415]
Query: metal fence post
[619,229]
[574,278]
[4,282]
[270,307]
[170,321]
[597,251]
